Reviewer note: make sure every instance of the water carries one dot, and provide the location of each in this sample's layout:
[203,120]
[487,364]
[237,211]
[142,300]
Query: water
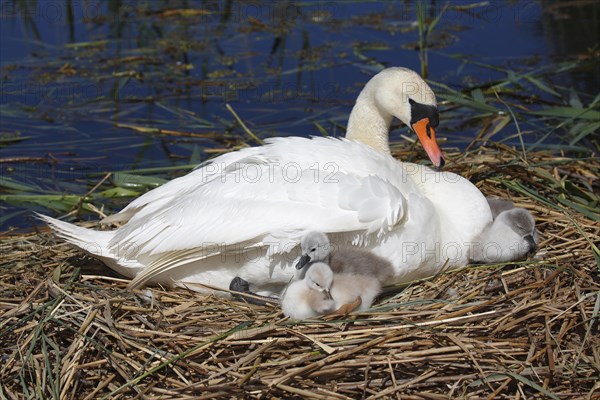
[84,82]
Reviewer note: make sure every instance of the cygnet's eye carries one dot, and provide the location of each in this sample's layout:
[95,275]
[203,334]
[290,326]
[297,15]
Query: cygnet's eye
[313,249]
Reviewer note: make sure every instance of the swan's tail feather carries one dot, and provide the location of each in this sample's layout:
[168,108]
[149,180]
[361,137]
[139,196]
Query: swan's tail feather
[92,241]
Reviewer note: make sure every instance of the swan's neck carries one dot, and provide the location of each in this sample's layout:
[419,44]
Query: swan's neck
[369,124]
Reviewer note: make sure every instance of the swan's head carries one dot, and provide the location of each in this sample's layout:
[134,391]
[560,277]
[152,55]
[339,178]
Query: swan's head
[403,94]
[315,246]
[406,96]
[320,278]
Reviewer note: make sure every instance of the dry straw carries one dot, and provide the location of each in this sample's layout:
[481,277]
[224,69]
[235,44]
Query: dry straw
[69,329]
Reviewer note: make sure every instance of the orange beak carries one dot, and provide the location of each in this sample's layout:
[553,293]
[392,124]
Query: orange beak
[426,135]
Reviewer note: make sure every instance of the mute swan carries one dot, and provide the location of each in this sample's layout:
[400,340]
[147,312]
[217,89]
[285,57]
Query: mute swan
[311,296]
[243,213]
[315,246]
[510,237]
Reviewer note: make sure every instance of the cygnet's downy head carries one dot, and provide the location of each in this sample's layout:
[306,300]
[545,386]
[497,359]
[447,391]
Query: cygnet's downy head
[315,246]
[511,237]
[523,224]
[320,278]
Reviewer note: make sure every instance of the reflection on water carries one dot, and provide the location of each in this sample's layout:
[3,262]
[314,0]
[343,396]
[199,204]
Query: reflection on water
[573,29]
[92,86]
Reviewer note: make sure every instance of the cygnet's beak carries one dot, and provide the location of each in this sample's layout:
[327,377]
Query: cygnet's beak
[532,244]
[327,294]
[426,135]
[305,259]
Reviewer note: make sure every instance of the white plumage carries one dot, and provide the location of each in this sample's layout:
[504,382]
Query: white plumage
[243,213]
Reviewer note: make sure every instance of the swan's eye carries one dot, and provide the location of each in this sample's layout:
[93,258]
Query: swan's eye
[313,249]
[434,118]
[420,111]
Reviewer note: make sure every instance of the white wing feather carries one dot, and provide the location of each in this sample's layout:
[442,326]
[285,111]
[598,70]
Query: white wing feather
[255,194]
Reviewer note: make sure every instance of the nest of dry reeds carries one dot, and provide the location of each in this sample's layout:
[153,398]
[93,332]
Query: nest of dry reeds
[69,328]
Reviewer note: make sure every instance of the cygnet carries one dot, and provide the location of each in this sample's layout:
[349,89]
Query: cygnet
[323,291]
[348,287]
[510,237]
[316,247]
